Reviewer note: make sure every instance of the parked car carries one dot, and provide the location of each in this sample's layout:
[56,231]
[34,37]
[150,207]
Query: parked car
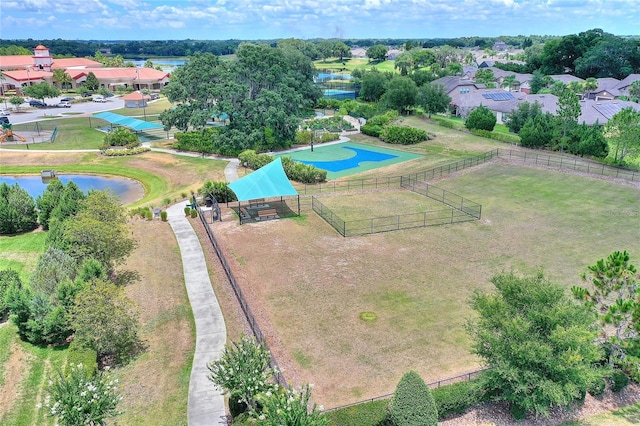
[5,112]
[36,103]
[87,94]
[67,99]
[99,99]
[64,105]
[4,120]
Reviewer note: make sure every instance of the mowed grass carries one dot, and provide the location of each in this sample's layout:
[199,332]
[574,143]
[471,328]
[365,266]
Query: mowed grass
[21,252]
[312,285]
[367,205]
[625,416]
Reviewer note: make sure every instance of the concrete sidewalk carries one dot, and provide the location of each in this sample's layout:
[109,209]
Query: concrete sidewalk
[206,404]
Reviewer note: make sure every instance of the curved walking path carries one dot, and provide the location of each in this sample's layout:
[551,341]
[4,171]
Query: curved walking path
[205,404]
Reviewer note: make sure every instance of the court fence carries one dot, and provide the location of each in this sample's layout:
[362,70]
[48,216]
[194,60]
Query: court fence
[455,209]
[244,304]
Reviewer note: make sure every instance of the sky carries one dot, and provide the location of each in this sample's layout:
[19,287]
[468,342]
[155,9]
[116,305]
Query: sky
[308,19]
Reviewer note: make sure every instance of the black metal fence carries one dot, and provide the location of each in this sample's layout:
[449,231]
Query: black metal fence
[577,164]
[459,209]
[461,378]
[253,323]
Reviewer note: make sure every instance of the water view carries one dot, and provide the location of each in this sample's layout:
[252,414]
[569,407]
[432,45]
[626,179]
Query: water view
[128,190]
[165,63]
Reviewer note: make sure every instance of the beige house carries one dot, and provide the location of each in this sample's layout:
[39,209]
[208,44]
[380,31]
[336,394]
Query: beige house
[21,70]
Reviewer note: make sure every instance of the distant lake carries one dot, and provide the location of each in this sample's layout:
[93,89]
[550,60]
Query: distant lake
[128,190]
[165,63]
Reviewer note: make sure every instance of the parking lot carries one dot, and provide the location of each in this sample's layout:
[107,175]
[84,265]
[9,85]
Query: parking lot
[28,113]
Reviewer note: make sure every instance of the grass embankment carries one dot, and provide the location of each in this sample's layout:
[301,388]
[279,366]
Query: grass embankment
[21,252]
[155,385]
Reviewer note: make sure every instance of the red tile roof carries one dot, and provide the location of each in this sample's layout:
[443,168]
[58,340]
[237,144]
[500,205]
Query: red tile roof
[65,63]
[15,61]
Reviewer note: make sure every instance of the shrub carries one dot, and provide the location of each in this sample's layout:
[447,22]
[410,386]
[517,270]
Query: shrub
[371,129]
[499,136]
[121,136]
[619,380]
[163,215]
[457,397]
[219,190]
[597,387]
[187,211]
[412,403]
[124,152]
[403,135]
[194,213]
[481,118]
[17,210]
[518,412]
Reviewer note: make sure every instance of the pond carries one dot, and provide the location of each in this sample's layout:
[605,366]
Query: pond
[128,190]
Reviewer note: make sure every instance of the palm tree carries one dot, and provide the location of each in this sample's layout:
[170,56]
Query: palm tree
[61,77]
[590,85]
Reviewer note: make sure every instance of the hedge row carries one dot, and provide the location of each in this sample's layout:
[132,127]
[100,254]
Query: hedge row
[403,135]
[299,172]
[124,152]
[303,137]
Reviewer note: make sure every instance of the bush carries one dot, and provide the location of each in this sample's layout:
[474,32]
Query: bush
[163,215]
[374,413]
[403,135]
[140,211]
[412,403]
[371,129]
[121,136]
[518,412]
[194,213]
[187,211]
[499,136]
[481,118]
[457,397]
[124,152]
[619,380]
[597,387]
[218,190]
[236,407]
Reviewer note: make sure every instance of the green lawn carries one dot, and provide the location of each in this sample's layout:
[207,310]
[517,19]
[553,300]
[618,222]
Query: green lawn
[21,252]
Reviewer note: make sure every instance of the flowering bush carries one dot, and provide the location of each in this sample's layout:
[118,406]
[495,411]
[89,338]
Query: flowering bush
[289,407]
[243,370]
[81,399]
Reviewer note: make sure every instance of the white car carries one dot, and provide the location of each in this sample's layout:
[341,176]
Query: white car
[100,99]
[64,105]
[5,112]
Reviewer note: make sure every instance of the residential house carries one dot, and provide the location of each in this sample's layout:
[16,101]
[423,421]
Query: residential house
[625,84]
[600,112]
[607,89]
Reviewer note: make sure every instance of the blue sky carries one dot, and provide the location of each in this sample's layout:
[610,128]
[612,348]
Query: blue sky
[305,19]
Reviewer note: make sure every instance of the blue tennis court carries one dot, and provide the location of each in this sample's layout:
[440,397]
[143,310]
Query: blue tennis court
[348,158]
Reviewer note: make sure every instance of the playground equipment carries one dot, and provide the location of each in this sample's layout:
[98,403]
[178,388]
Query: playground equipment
[6,134]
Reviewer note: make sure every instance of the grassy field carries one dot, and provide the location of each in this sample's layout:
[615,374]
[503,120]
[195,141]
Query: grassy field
[21,252]
[621,417]
[311,288]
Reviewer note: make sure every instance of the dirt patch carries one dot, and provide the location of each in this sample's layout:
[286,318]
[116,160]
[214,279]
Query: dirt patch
[15,370]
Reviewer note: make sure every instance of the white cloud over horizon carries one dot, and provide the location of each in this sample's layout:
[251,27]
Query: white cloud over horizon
[306,19]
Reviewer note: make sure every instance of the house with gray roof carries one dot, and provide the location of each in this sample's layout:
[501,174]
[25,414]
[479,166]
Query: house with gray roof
[624,84]
[566,78]
[600,112]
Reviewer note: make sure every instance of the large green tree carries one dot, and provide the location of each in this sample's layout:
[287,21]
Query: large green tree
[106,320]
[614,296]
[400,94]
[373,85]
[433,98]
[377,52]
[481,118]
[537,343]
[623,134]
[263,92]
[567,113]
[518,116]
[99,231]
[17,210]
[41,91]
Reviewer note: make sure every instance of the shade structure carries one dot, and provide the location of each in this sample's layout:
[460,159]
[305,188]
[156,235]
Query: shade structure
[130,122]
[268,181]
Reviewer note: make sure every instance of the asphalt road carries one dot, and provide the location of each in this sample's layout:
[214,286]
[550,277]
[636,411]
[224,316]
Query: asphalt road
[28,114]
